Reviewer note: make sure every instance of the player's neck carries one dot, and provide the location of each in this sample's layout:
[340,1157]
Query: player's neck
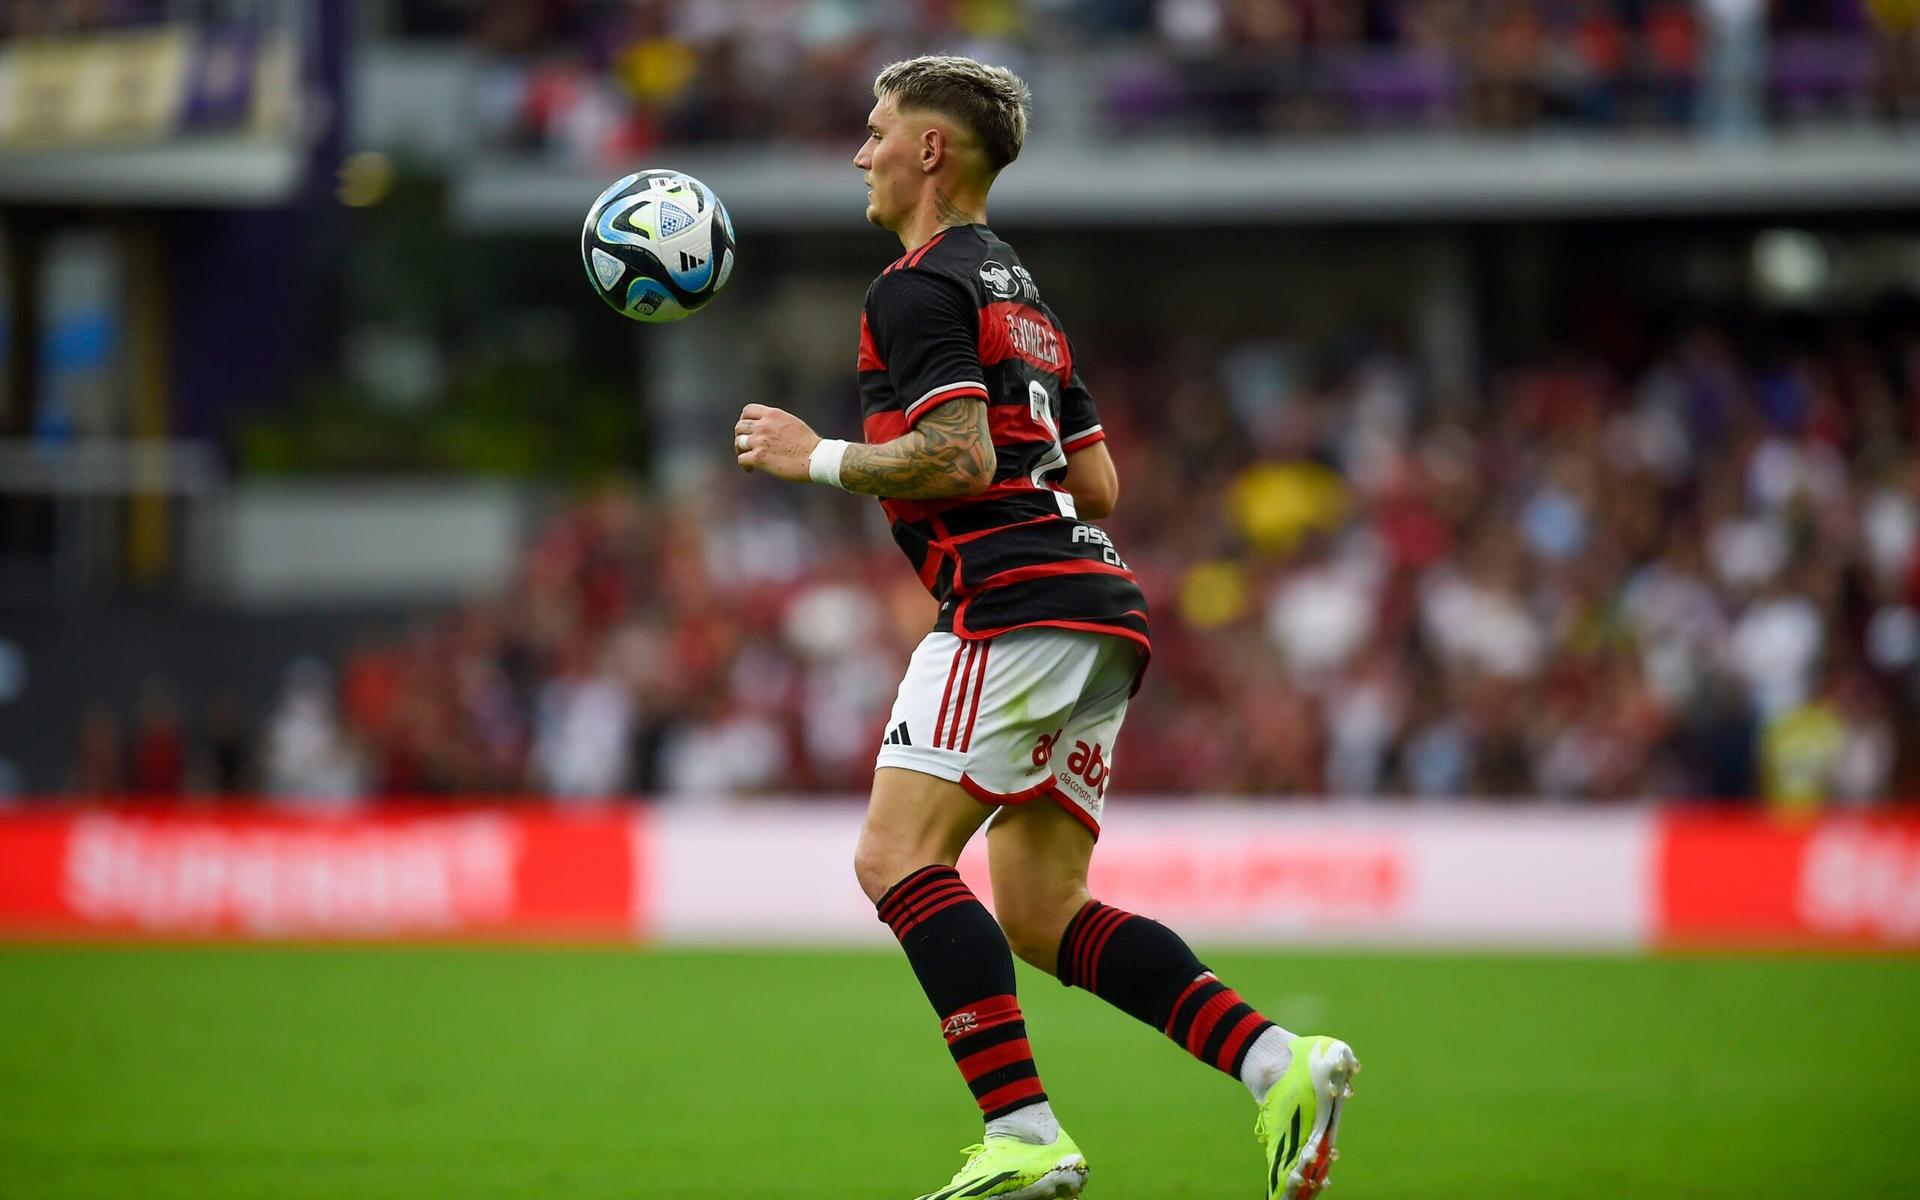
[941,211]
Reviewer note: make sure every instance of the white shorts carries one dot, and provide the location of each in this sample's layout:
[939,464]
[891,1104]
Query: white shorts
[1026,714]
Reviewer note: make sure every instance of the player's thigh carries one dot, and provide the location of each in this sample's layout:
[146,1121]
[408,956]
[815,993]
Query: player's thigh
[913,820]
[1080,751]
[978,711]
[972,727]
[1038,854]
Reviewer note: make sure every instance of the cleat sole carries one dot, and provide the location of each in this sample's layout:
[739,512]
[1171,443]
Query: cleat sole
[1333,1073]
[1066,1179]
[1063,1180]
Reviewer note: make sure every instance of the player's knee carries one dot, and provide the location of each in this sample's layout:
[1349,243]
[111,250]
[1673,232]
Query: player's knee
[1034,946]
[1034,933]
[880,862]
[872,866]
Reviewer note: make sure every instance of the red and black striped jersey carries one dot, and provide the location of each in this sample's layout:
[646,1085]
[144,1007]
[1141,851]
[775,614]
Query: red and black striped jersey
[960,318]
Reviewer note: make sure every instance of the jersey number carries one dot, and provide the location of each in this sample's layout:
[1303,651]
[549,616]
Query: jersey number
[1040,406]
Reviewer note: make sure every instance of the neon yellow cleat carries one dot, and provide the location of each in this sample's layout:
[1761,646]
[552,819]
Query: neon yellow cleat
[1300,1116]
[1010,1169]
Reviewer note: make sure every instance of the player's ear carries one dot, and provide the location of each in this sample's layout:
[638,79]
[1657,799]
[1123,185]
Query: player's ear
[933,148]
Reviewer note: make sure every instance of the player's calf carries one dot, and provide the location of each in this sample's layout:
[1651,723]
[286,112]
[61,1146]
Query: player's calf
[1144,969]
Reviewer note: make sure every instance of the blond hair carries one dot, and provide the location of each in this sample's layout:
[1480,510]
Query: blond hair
[992,102]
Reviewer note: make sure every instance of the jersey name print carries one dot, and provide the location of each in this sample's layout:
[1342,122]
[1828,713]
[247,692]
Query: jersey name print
[960,317]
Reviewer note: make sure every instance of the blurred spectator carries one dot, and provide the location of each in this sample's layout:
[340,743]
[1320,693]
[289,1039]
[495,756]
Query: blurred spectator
[1696,579]
[99,762]
[598,84]
[159,749]
[228,748]
[1775,648]
[581,731]
[1802,749]
[1898,25]
[307,759]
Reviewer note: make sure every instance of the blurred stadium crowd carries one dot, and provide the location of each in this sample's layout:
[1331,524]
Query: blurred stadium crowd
[1698,581]
[598,82]
[1686,573]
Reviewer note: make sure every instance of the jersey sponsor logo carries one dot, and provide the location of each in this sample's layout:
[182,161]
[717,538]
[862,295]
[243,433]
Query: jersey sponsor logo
[1093,535]
[1000,282]
[1043,749]
[1089,764]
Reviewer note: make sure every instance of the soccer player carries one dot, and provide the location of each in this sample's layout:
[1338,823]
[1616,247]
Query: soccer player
[984,447]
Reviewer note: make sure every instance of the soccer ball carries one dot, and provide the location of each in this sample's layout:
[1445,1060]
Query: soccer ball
[657,245]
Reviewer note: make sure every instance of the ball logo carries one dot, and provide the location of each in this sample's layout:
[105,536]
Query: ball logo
[607,268]
[645,297]
[999,280]
[673,219]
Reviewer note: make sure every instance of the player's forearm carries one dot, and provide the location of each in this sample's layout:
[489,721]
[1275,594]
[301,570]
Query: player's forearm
[950,453]
[1092,482]
[1091,506]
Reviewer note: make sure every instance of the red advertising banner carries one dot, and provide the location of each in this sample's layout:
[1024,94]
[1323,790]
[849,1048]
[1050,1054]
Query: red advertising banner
[1743,880]
[469,873]
[771,873]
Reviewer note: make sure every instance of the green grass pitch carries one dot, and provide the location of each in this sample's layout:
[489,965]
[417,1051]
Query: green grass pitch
[534,1073]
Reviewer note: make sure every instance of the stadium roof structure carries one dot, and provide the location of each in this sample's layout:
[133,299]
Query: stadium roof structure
[213,172]
[1415,179]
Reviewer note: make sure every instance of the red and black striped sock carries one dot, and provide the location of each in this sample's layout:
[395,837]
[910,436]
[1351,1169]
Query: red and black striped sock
[961,958]
[1143,968]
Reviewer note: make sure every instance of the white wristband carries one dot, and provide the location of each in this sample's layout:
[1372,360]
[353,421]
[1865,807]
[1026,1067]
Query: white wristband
[824,464]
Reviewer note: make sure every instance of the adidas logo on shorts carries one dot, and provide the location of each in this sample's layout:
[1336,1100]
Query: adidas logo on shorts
[897,736]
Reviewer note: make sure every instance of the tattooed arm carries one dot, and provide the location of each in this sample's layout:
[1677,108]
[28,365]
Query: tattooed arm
[925,329]
[949,453]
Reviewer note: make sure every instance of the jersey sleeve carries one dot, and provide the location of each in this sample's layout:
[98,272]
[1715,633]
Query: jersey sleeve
[1079,419]
[927,332]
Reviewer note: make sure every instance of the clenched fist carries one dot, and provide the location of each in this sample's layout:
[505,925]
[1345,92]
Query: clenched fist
[774,441]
